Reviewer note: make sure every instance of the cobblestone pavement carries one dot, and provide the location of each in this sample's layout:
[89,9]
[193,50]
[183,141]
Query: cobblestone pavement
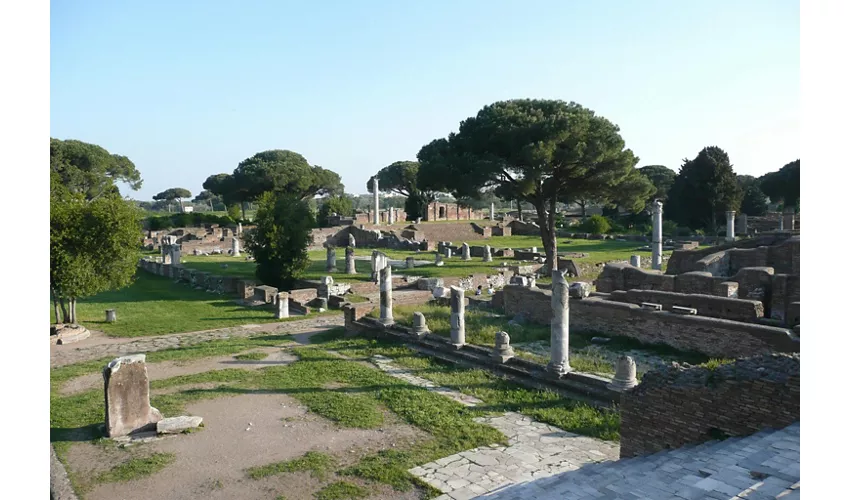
[762,466]
[99,348]
[535,450]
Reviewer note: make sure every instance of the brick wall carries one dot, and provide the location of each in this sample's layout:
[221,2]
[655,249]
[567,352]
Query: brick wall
[675,406]
[712,336]
[706,305]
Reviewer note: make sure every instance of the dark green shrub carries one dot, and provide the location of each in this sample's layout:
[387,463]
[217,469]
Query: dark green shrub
[595,224]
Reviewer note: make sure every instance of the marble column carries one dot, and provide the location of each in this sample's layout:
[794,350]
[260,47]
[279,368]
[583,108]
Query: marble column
[239,229]
[730,225]
[657,210]
[448,252]
[386,296]
[330,265]
[235,247]
[634,260]
[492,211]
[458,321]
[465,252]
[377,202]
[391,216]
[350,266]
[560,328]
[282,305]
[488,256]
[438,259]
[351,241]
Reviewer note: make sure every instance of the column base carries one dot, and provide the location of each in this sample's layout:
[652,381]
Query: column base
[558,369]
[387,321]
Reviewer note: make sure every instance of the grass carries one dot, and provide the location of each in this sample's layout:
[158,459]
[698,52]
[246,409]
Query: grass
[355,298]
[319,465]
[136,468]
[252,356]
[154,305]
[341,490]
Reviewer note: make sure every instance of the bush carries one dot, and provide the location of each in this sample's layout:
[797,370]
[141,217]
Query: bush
[683,231]
[669,228]
[595,224]
[234,212]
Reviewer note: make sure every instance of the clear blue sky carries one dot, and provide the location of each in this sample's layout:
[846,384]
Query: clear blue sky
[190,88]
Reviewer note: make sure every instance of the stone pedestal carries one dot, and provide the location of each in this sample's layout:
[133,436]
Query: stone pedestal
[503,351]
[634,260]
[234,247]
[464,249]
[127,396]
[488,256]
[409,263]
[730,225]
[350,266]
[657,210]
[458,317]
[282,310]
[322,304]
[330,264]
[110,316]
[559,363]
[438,259]
[386,296]
[626,375]
[448,253]
[420,328]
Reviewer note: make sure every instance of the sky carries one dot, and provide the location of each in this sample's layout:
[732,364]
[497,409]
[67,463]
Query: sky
[189,89]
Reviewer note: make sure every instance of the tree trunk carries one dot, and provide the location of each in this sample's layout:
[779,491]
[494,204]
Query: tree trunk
[180,201]
[73,307]
[546,232]
[66,318]
[55,305]
[553,235]
[244,209]
[583,211]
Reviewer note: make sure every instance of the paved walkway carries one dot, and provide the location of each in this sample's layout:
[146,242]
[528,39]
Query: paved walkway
[100,346]
[535,450]
[762,466]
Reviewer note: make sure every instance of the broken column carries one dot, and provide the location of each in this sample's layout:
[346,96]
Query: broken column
[488,257]
[458,321]
[330,265]
[657,209]
[634,260]
[377,202]
[390,216]
[127,396]
[503,351]
[175,255]
[239,229]
[626,375]
[420,328]
[110,316]
[410,263]
[448,252]
[464,251]
[282,310]
[559,363]
[730,225]
[234,247]
[351,241]
[350,267]
[386,296]
[438,259]
[492,211]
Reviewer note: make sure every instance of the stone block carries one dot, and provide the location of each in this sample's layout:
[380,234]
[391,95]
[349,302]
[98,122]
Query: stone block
[683,310]
[176,425]
[127,396]
[650,306]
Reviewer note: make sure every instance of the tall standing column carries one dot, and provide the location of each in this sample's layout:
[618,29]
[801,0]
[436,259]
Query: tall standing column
[234,247]
[350,266]
[377,215]
[330,264]
[492,211]
[392,216]
[387,296]
[730,225]
[458,317]
[559,362]
[657,210]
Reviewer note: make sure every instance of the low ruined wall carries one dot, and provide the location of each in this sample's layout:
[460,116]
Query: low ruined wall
[778,250]
[706,305]
[675,406]
[711,336]
[524,228]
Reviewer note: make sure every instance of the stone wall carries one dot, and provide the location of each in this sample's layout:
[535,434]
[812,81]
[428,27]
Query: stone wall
[524,228]
[706,305]
[782,252]
[711,336]
[675,406]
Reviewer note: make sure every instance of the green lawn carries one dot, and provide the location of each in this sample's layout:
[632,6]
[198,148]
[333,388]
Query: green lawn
[154,305]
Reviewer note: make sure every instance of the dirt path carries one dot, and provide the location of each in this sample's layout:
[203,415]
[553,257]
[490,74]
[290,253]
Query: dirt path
[100,345]
[211,464]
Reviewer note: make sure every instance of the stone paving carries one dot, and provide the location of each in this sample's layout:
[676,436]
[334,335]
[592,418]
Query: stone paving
[535,450]
[765,465]
[69,354]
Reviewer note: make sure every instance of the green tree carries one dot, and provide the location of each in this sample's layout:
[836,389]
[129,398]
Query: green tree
[783,185]
[753,201]
[280,239]
[340,205]
[89,169]
[94,246]
[704,190]
[172,194]
[209,197]
[661,177]
[401,177]
[535,151]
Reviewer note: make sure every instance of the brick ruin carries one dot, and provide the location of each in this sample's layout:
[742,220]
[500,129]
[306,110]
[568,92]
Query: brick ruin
[679,405]
[204,240]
